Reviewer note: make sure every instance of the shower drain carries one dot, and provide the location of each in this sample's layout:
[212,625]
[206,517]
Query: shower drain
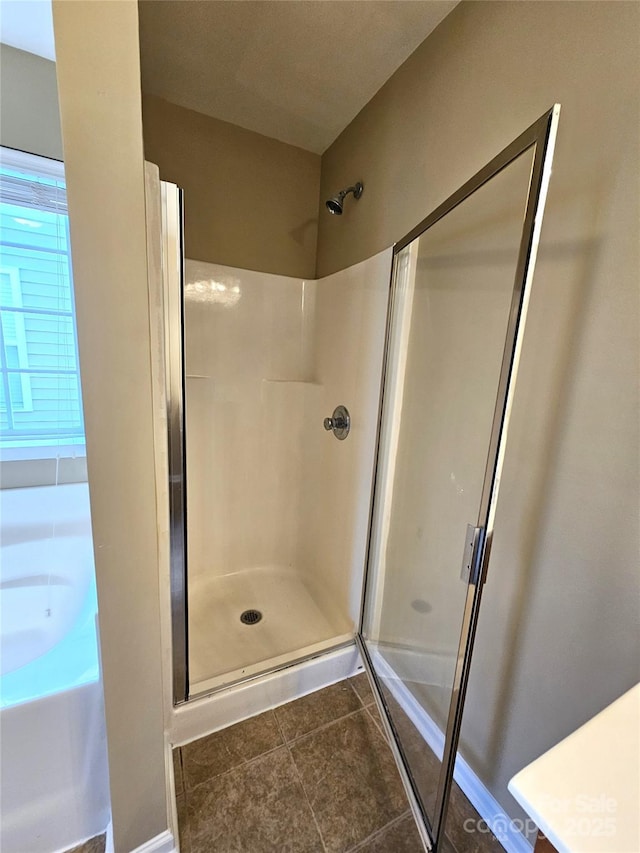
[250,617]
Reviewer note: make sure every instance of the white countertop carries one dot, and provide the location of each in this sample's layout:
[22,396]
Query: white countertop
[584,793]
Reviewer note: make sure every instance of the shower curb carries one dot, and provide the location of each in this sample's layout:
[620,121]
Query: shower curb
[201,717]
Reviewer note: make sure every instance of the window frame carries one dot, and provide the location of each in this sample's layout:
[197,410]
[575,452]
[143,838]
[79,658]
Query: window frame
[23,445]
[21,338]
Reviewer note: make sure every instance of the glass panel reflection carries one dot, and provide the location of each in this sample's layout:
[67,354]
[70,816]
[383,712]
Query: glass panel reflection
[453,293]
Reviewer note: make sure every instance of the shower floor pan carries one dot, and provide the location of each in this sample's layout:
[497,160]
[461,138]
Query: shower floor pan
[224,649]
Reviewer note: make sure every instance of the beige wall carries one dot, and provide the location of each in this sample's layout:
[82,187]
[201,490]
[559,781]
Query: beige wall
[250,201]
[558,633]
[29,115]
[98,79]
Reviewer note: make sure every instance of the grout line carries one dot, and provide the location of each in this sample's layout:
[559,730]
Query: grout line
[304,790]
[378,832]
[285,742]
[246,761]
[187,790]
[377,725]
[325,726]
[342,716]
[308,801]
[243,764]
[363,708]
[348,681]
[355,690]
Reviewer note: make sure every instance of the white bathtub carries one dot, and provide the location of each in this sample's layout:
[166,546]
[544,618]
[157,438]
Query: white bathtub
[53,774]
[43,587]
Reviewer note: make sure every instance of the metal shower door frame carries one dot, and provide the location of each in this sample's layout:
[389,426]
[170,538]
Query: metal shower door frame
[172,211]
[541,136]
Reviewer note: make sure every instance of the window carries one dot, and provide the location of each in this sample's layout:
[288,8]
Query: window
[40,396]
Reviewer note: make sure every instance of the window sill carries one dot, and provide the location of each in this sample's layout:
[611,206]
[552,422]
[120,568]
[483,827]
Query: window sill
[52,470]
[21,452]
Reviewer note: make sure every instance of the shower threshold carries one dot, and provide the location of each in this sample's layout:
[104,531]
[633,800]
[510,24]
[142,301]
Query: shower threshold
[230,679]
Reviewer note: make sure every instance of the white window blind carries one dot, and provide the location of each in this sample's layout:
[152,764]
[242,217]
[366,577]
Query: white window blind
[40,397]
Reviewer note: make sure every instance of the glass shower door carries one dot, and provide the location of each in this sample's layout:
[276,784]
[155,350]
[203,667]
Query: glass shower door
[455,330]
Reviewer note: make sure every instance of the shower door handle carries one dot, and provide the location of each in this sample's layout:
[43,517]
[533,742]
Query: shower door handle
[339,423]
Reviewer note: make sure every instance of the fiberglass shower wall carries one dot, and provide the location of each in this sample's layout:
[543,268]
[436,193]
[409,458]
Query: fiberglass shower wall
[277,509]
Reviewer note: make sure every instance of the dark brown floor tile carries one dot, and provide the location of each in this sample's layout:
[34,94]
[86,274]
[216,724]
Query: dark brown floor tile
[310,712]
[360,684]
[447,846]
[93,845]
[423,763]
[257,808]
[351,780]
[347,773]
[183,828]
[215,754]
[375,716]
[177,771]
[401,837]
[465,828]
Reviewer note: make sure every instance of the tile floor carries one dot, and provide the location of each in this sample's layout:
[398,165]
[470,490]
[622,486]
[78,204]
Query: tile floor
[93,845]
[313,775]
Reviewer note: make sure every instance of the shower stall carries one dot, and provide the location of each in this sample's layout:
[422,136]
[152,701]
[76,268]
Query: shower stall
[269,512]
[266,358]
[334,455]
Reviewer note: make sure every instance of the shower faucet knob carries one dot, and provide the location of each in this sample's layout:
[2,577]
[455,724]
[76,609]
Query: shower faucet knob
[339,423]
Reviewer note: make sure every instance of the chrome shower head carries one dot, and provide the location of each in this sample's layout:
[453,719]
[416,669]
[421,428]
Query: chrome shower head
[334,204]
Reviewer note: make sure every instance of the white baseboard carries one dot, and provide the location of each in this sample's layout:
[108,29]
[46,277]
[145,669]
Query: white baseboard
[478,795]
[162,843]
[200,717]
[410,664]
